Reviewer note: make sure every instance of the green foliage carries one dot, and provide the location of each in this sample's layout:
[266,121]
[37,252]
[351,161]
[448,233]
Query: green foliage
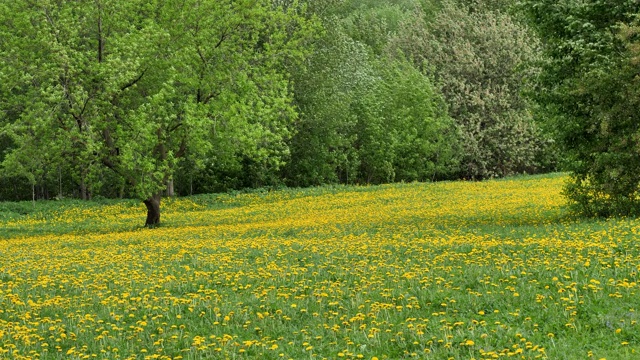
[134,86]
[336,75]
[371,22]
[113,98]
[480,58]
[408,135]
[589,87]
[367,120]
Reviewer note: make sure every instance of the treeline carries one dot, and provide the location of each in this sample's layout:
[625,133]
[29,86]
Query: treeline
[138,98]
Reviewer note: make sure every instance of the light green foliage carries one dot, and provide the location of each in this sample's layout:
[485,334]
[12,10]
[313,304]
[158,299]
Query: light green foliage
[252,123]
[367,115]
[15,96]
[337,75]
[371,22]
[479,58]
[407,135]
[134,85]
[589,88]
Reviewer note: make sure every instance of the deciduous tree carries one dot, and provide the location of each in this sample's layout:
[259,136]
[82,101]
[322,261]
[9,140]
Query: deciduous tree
[135,85]
[479,57]
[589,87]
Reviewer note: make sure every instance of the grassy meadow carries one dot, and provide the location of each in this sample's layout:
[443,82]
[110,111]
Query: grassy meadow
[451,270]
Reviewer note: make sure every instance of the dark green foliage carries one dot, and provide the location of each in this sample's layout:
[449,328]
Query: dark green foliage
[224,175]
[589,88]
[336,76]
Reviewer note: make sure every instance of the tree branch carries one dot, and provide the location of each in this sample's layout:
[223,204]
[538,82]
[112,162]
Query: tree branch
[112,166]
[210,96]
[133,82]
[175,127]
[182,150]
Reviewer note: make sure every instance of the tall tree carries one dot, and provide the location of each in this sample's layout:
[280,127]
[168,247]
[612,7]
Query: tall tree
[367,116]
[589,88]
[337,73]
[411,123]
[480,57]
[135,85]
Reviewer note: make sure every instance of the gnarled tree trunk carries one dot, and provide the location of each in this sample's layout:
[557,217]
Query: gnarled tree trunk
[153,210]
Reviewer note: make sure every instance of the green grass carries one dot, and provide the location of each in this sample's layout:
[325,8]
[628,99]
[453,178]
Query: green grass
[436,271]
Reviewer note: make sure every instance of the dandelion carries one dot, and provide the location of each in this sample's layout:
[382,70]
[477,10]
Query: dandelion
[356,271]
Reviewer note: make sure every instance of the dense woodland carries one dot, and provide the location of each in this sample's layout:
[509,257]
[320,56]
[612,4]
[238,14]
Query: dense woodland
[137,98]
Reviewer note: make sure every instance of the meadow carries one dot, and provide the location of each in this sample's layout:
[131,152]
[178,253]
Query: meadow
[450,270]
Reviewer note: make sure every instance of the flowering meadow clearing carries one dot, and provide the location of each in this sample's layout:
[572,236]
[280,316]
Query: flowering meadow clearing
[451,270]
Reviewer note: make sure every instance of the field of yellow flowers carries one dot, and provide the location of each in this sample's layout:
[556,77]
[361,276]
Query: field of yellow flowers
[451,270]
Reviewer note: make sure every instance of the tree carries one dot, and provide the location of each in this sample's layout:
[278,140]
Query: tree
[134,86]
[372,22]
[367,115]
[589,88]
[337,73]
[480,58]
[423,140]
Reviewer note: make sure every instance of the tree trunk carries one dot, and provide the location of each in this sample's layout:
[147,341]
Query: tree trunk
[59,182]
[153,211]
[170,189]
[83,190]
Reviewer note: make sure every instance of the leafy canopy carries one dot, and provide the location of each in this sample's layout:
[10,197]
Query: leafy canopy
[589,87]
[133,86]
